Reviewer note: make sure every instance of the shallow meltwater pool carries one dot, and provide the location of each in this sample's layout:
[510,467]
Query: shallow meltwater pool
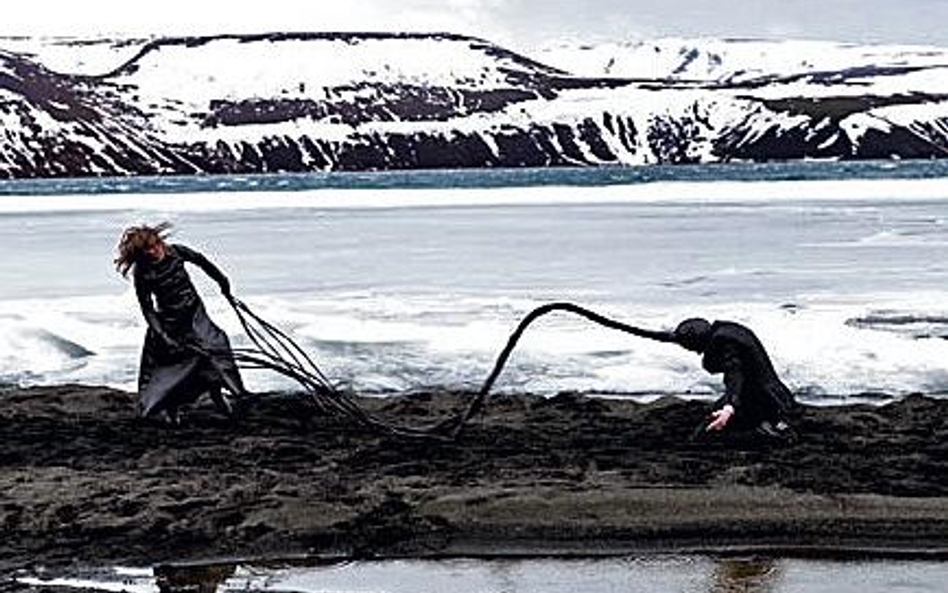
[658,574]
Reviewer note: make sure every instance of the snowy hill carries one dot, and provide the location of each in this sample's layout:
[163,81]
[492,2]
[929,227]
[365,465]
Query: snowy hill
[322,101]
[732,60]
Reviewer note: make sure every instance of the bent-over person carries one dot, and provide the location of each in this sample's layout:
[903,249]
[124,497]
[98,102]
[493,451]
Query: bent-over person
[754,397]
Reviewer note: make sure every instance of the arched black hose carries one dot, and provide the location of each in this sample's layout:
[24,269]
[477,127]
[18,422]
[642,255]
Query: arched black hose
[480,400]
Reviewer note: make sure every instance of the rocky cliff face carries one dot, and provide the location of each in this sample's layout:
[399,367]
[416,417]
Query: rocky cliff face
[305,102]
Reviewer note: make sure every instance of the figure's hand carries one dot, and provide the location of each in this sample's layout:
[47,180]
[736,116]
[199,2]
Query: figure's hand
[721,417]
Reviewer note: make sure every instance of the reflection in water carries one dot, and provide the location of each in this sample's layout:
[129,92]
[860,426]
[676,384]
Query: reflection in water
[728,575]
[758,575]
[206,578]
[662,574]
[539,575]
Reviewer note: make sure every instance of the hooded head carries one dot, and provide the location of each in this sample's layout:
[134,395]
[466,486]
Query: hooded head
[693,334]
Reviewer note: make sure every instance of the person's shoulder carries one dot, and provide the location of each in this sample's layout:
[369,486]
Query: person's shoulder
[180,249]
[730,330]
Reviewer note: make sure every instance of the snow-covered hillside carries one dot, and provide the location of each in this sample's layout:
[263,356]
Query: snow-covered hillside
[732,60]
[71,55]
[348,101]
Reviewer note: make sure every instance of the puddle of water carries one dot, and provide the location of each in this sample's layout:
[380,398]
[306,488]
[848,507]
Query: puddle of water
[685,574]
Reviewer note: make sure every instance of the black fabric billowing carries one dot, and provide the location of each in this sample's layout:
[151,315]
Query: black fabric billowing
[185,354]
[751,383]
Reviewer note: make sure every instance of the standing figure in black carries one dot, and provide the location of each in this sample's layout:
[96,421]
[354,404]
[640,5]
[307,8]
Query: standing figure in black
[754,399]
[185,354]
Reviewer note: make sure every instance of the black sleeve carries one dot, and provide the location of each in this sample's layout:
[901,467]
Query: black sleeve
[733,375]
[198,259]
[148,309]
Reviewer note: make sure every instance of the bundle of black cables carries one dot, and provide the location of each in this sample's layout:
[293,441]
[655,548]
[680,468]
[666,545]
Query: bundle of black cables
[273,349]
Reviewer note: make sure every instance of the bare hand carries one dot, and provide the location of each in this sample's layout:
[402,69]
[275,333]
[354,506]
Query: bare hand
[721,417]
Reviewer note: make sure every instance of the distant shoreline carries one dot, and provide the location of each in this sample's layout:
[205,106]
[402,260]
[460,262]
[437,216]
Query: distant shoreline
[86,484]
[808,180]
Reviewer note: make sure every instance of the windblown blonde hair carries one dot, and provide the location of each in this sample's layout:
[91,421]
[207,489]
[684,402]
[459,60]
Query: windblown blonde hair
[135,240]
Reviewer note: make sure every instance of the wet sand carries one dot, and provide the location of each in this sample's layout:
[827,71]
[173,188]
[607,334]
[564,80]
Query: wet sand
[86,483]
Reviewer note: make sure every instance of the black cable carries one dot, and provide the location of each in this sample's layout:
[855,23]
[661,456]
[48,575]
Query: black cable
[482,396]
[274,350]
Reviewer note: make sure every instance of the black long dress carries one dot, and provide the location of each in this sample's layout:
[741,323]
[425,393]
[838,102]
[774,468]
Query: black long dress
[185,354]
[751,383]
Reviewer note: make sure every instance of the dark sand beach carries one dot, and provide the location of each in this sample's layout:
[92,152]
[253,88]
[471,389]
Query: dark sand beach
[86,483]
